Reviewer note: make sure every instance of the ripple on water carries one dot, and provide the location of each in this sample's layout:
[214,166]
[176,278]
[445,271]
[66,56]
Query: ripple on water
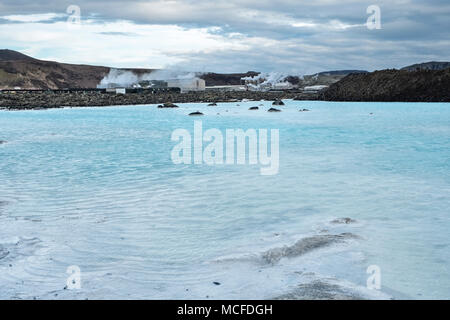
[21,249]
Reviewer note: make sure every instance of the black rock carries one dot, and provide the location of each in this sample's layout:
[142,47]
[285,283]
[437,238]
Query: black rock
[254,108]
[2,141]
[304,110]
[343,221]
[168,105]
[212,104]
[391,85]
[278,103]
[216,283]
[273,110]
[197,113]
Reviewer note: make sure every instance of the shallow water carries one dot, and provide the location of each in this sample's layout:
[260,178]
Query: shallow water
[96,188]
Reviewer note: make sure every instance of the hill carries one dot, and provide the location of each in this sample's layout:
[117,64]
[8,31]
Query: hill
[10,55]
[220,79]
[392,85]
[433,65]
[21,71]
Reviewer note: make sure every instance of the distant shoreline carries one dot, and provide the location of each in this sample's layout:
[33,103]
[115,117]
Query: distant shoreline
[27,100]
[43,100]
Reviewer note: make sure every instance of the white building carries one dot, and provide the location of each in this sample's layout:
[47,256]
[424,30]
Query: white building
[282,86]
[116,90]
[314,88]
[227,88]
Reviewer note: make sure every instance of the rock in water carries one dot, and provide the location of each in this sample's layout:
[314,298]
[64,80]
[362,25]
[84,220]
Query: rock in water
[168,105]
[254,108]
[321,290]
[304,246]
[343,221]
[197,113]
[2,141]
[212,104]
[278,103]
[273,110]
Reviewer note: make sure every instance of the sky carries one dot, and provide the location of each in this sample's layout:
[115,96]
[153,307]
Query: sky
[292,36]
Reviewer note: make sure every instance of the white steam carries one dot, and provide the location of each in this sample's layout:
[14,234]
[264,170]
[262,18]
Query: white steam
[269,80]
[127,78]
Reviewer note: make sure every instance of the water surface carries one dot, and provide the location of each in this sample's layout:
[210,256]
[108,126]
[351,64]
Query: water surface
[96,188]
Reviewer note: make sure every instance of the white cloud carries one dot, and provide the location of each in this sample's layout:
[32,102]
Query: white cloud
[118,43]
[33,17]
[231,35]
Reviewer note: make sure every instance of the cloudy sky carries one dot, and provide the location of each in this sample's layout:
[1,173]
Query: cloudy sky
[292,36]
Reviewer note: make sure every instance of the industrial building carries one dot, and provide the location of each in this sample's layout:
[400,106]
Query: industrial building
[183,85]
[186,85]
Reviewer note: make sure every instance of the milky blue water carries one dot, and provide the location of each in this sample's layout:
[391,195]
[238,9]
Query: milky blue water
[96,188]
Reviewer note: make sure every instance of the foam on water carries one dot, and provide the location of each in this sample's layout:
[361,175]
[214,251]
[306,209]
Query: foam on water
[96,188]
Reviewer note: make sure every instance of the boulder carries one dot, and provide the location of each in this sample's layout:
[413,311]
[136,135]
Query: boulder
[168,105]
[197,113]
[273,110]
[278,103]
[254,108]
[343,221]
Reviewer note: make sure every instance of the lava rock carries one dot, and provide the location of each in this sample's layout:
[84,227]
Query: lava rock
[278,103]
[343,221]
[197,113]
[168,105]
[391,85]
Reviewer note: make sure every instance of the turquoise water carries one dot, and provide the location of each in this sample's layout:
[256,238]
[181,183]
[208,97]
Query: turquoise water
[96,188]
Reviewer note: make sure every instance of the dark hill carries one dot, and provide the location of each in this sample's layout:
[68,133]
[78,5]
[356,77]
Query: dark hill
[21,71]
[340,72]
[219,79]
[392,85]
[10,55]
[433,65]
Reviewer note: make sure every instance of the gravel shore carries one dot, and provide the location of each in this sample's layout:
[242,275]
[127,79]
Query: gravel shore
[23,100]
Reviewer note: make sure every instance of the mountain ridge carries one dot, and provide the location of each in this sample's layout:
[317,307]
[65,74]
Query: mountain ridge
[18,70]
[392,85]
[432,65]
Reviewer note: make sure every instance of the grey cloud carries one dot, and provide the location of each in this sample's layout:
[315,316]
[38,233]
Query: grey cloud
[412,30]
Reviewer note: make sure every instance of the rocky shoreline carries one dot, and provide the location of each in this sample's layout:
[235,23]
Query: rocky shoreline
[28,100]
[392,86]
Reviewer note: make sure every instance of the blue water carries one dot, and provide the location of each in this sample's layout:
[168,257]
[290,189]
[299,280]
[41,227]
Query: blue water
[96,188]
